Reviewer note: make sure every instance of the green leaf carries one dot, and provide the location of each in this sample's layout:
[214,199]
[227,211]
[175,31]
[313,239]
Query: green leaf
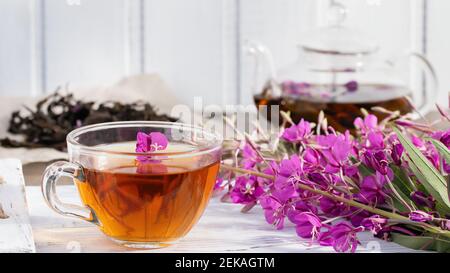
[401,180]
[427,242]
[445,153]
[430,178]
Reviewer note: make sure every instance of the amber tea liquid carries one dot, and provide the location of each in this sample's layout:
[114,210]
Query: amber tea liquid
[342,110]
[154,202]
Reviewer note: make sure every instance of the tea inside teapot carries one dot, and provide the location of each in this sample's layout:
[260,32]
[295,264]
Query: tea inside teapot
[339,71]
[341,104]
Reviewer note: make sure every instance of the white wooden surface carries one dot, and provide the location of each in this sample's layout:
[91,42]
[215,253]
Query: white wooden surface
[15,230]
[222,228]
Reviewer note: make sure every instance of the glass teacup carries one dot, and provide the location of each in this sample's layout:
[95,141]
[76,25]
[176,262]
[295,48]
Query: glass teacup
[138,199]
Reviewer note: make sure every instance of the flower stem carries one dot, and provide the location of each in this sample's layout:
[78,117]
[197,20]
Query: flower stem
[349,202]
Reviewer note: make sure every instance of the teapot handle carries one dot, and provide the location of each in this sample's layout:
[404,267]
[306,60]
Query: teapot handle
[428,96]
[262,55]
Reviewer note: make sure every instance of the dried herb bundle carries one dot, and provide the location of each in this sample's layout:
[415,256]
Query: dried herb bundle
[56,115]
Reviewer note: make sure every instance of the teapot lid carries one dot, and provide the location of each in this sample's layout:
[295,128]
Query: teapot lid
[337,39]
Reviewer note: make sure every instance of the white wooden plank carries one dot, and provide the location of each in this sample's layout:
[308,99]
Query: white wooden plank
[15,65]
[85,44]
[133,36]
[398,32]
[222,228]
[387,22]
[277,24]
[16,234]
[185,43]
[439,45]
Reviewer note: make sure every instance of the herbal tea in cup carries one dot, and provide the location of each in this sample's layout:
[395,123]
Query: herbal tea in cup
[145,184]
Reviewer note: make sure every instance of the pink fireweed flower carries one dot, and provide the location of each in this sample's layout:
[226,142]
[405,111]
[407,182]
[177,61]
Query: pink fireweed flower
[342,237]
[445,138]
[289,173]
[357,216]
[303,206]
[352,86]
[332,208]
[397,153]
[295,88]
[374,223]
[312,157]
[422,199]
[336,149]
[307,224]
[395,149]
[371,189]
[370,123]
[297,133]
[246,190]
[419,143]
[152,142]
[275,209]
[420,216]
[377,161]
[250,157]
[428,150]
[375,141]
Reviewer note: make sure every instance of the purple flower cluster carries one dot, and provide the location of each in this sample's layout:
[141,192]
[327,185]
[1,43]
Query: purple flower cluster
[358,168]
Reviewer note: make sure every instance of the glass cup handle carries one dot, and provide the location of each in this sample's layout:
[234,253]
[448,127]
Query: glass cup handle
[51,176]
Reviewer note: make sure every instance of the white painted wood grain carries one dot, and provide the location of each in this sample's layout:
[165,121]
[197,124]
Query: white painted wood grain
[185,42]
[85,44]
[15,59]
[133,25]
[439,45]
[195,45]
[15,230]
[397,26]
[276,24]
[222,228]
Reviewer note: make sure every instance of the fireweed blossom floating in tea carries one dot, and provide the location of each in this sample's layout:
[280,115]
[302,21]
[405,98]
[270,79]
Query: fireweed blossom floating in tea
[150,142]
[146,143]
[389,178]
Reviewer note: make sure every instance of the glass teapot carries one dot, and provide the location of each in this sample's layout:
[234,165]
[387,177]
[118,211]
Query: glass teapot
[338,72]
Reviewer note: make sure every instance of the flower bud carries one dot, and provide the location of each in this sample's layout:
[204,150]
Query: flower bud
[420,216]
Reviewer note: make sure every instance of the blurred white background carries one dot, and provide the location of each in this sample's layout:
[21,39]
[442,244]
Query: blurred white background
[195,45]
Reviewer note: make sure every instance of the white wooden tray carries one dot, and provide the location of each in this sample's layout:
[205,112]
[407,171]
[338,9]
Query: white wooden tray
[15,229]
